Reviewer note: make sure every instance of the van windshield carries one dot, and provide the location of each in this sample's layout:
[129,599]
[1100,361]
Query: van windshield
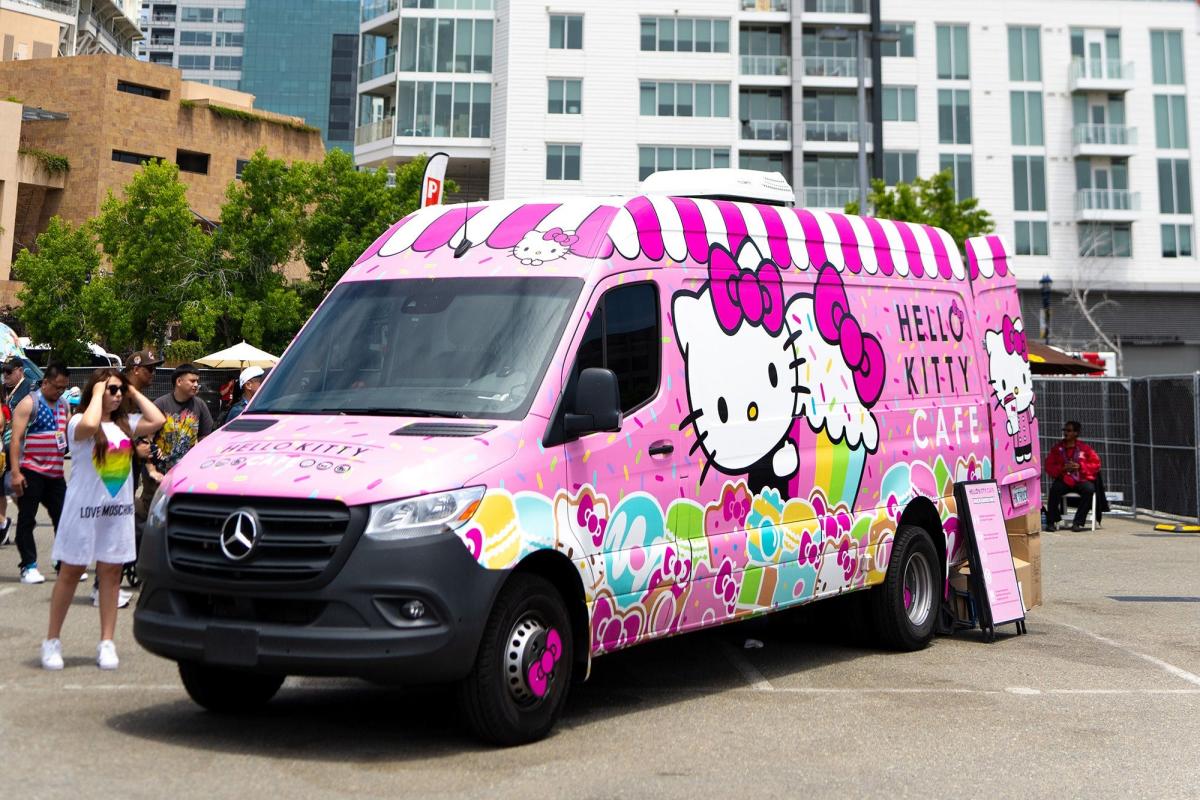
[442,347]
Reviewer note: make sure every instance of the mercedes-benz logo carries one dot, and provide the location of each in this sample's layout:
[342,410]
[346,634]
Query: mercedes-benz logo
[239,535]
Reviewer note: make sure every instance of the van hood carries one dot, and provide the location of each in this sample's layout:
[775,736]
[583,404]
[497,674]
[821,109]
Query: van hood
[357,460]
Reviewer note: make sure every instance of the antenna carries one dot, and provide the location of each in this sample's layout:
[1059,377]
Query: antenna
[462,247]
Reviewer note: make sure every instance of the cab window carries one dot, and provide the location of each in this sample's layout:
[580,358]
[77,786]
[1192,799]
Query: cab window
[625,335]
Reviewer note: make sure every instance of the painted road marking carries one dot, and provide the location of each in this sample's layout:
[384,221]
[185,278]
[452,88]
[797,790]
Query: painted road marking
[7,590]
[1178,672]
[756,679]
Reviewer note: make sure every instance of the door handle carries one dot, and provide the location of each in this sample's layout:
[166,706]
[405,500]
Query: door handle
[662,447]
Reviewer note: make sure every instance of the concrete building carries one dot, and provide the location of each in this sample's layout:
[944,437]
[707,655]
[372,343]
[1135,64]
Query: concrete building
[46,28]
[107,116]
[297,57]
[1068,119]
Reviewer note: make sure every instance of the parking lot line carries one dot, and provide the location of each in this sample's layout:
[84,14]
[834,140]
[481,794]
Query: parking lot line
[758,682]
[1178,672]
[7,590]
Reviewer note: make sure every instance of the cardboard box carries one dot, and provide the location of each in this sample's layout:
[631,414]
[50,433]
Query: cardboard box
[1030,585]
[1028,548]
[1029,522]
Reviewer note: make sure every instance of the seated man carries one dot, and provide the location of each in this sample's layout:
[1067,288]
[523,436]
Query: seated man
[1074,467]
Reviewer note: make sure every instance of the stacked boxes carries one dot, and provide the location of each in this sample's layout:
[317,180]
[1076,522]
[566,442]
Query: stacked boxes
[1025,542]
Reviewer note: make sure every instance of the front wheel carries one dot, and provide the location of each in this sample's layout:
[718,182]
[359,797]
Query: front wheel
[518,686]
[905,606]
[227,691]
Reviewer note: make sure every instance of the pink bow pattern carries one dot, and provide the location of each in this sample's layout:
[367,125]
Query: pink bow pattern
[862,351]
[557,235]
[542,670]
[738,295]
[1014,340]
[588,518]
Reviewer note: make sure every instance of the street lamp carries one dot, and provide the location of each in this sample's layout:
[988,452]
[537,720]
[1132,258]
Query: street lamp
[840,34]
[1047,284]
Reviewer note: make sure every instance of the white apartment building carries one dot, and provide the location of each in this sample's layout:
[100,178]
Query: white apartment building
[204,40]
[48,28]
[1068,119]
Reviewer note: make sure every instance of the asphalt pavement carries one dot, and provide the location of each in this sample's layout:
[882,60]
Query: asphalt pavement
[1101,698]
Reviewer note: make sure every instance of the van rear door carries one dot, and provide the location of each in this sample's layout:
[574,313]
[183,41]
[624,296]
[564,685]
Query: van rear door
[1004,362]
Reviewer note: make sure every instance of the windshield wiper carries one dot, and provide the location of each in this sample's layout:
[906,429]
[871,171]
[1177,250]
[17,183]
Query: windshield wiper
[391,412]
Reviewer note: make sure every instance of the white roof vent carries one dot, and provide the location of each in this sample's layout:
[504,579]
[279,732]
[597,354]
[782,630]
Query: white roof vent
[750,185]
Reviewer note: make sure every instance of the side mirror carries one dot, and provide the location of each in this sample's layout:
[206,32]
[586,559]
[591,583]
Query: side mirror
[597,403]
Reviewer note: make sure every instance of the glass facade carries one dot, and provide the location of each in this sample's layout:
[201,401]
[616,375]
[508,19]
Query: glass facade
[301,58]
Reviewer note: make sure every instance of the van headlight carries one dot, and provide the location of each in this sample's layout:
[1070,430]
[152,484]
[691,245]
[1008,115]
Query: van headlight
[424,515]
[157,515]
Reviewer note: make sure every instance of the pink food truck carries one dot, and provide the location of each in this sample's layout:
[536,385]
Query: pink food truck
[519,435]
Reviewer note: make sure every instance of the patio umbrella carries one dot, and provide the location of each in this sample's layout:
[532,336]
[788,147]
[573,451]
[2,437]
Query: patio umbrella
[1046,360]
[239,356]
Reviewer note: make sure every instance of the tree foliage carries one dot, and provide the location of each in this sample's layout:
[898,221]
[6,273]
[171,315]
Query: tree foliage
[930,201]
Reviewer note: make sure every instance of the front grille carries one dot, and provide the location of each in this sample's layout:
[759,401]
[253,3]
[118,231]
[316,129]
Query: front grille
[297,540]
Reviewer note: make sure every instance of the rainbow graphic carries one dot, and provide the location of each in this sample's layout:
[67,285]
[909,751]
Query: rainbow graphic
[117,466]
[835,468]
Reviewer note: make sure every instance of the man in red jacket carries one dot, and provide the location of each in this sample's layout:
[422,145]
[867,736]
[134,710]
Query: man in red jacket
[1074,467]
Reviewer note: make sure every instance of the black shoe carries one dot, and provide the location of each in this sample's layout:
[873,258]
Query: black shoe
[1050,527]
[6,532]
[1076,528]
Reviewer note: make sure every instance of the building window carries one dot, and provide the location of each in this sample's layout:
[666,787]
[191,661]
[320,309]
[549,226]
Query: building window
[565,96]
[1105,240]
[144,91]
[899,168]
[954,116]
[231,15]
[566,31]
[464,5]
[960,165]
[899,104]
[669,99]
[166,59]
[230,39]
[902,48]
[1177,241]
[240,167]
[444,109]
[195,38]
[684,35]
[631,346]
[766,162]
[653,159]
[1166,56]
[227,63]
[190,161]
[429,44]
[226,84]
[1029,183]
[192,14]
[1024,54]
[1026,108]
[193,61]
[562,162]
[1174,186]
[1170,121]
[1031,238]
[126,157]
[953,55]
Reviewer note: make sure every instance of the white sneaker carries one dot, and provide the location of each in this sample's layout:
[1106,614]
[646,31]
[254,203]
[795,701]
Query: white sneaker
[83,577]
[52,654]
[31,575]
[123,598]
[106,655]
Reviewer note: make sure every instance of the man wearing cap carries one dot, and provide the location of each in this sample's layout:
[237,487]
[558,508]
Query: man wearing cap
[16,388]
[250,379]
[139,369]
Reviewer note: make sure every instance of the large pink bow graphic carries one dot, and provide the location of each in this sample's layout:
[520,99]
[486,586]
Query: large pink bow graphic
[1014,340]
[741,294]
[557,235]
[862,351]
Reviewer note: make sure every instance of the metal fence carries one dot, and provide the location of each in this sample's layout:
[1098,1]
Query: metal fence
[211,381]
[1145,431]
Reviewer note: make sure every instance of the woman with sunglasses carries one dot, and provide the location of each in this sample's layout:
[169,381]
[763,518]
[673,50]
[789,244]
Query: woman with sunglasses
[97,519]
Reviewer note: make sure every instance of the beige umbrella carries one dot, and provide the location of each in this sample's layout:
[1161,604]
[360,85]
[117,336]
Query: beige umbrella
[239,356]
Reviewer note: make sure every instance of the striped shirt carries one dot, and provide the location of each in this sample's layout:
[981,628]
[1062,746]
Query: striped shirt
[41,452]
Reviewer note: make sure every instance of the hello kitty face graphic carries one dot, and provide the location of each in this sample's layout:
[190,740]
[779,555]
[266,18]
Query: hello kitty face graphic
[741,364]
[538,247]
[1008,369]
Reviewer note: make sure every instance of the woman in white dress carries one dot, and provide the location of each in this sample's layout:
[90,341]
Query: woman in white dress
[97,522]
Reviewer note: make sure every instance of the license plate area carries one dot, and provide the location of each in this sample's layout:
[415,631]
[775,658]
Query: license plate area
[1019,494]
[229,646]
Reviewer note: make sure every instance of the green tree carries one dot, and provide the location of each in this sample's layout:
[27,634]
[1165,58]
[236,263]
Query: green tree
[157,251]
[66,300]
[930,201]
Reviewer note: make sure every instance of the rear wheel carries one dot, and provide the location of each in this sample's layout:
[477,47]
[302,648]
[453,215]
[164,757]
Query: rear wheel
[227,691]
[518,686]
[905,606]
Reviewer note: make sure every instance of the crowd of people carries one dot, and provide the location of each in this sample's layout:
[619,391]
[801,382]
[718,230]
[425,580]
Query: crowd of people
[120,445]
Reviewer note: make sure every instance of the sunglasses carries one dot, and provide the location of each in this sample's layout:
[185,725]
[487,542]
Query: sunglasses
[114,390]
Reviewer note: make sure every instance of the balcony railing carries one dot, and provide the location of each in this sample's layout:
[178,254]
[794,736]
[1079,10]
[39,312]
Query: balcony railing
[161,43]
[58,6]
[163,20]
[829,196]
[377,9]
[377,68]
[1091,133]
[766,5]
[769,130]
[834,131]
[1101,69]
[374,131]
[835,67]
[766,65]
[1107,200]
[835,6]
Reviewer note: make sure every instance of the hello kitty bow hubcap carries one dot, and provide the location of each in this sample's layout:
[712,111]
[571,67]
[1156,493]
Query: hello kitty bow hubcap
[531,657]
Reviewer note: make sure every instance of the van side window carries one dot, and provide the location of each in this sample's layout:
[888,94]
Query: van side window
[624,336]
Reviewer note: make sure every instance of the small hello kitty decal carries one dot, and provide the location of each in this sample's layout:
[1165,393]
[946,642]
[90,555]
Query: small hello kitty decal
[538,247]
[1012,385]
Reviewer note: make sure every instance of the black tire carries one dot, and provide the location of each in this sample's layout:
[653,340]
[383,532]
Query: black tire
[491,695]
[227,691]
[898,624]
